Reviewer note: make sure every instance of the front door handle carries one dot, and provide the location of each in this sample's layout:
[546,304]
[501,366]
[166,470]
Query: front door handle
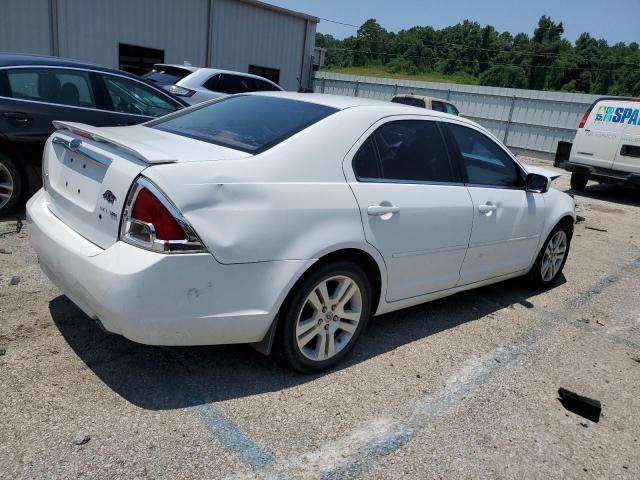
[17,116]
[381,210]
[487,208]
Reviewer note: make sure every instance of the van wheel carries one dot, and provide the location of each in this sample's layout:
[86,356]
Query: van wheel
[552,257]
[578,181]
[10,185]
[321,321]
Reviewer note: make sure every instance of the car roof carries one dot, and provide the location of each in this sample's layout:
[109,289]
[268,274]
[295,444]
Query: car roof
[421,97]
[211,71]
[342,102]
[15,60]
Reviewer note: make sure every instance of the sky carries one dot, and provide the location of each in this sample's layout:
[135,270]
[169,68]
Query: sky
[613,20]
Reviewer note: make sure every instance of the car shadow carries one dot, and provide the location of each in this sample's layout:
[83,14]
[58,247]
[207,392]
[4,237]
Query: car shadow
[162,378]
[609,193]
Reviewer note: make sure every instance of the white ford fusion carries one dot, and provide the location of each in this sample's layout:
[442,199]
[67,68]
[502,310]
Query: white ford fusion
[286,220]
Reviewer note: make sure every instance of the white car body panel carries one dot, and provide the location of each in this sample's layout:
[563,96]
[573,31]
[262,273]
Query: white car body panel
[265,220]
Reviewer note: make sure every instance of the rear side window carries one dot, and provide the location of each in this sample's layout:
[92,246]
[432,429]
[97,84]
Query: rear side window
[60,86]
[438,106]
[451,109]
[262,86]
[166,75]
[250,123]
[484,161]
[234,84]
[406,151]
[130,96]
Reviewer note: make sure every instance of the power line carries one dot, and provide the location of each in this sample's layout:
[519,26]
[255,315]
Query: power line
[497,50]
[339,23]
[550,67]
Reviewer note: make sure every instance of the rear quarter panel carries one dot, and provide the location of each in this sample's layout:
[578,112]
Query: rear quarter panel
[289,203]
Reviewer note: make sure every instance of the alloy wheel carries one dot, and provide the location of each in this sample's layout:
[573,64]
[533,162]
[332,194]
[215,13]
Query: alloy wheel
[6,185]
[329,318]
[554,256]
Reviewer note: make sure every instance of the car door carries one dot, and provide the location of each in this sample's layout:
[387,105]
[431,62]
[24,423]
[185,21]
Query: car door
[597,143]
[507,220]
[414,208]
[628,154]
[133,102]
[36,96]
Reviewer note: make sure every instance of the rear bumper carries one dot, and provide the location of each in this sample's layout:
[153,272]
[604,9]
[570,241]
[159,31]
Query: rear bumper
[603,174]
[160,299]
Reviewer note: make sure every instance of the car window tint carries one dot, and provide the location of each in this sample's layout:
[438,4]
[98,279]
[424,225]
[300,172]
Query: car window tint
[129,96]
[212,83]
[249,123]
[66,87]
[262,86]
[437,106]
[413,150]
[235,84]
[365,161]
[484,161]
[451,109]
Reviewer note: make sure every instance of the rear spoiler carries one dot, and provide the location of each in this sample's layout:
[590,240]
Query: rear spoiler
[118,137]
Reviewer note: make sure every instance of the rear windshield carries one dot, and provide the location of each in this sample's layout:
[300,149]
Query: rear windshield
[250,123]
[166,75]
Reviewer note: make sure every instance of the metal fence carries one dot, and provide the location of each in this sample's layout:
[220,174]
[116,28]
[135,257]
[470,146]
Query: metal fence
[529,122]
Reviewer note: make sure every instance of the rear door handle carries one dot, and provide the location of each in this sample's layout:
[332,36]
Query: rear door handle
[487,208]
[380,210]
[17,116]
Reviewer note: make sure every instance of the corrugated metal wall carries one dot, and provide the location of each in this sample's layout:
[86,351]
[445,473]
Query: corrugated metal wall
[245,34]
[530,122]
[90,30]
[25,26]
[242,33]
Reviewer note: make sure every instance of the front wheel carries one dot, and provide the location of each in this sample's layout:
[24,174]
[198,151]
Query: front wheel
[324,316]
[10,185]
[552,257]
[578,181]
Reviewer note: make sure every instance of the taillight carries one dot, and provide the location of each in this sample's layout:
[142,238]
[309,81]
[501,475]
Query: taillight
[181,91]
[585,117]
[151,221]
[81,133]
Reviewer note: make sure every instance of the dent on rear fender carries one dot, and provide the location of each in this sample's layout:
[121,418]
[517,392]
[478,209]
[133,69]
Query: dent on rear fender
[253,222]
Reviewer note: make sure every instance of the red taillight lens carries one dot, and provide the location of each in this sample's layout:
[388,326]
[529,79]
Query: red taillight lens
[585,117]
[81,133]
[147,208]
[181,91]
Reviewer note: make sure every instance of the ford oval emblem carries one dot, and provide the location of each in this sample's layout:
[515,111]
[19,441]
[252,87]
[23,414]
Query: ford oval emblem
[109,196]
[74,145]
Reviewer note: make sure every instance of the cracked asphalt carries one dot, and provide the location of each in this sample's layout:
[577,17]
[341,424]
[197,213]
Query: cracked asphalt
[464,387]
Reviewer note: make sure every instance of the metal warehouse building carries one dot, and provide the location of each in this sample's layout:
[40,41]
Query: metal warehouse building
[242,35]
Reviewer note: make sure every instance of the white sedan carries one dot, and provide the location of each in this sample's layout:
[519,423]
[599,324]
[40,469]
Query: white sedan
[287,220]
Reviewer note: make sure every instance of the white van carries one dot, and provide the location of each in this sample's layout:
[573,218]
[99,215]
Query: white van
[607,144]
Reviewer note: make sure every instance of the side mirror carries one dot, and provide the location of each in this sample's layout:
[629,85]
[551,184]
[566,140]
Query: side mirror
[538,183]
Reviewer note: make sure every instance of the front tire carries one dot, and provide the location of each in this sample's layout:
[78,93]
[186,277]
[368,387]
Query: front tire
[324,316]
[10,185]
[552,256]
[578,181]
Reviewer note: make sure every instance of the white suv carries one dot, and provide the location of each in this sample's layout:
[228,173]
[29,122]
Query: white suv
[607,144]
[196,84]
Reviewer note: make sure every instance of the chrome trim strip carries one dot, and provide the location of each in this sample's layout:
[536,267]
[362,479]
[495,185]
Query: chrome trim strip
[453,248]
[506,240]
[75,146]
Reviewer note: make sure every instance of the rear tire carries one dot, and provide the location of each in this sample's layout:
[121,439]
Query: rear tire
[552,257]
[10,185]
[578,181]
[323,317]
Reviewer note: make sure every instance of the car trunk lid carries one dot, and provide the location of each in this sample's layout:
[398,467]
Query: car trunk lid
[88,171]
